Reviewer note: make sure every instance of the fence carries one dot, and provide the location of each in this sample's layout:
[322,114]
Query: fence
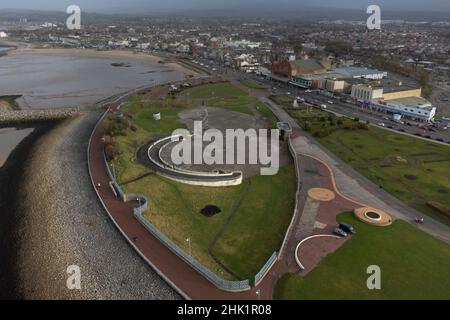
[265,269]
[220,283]
[297,195]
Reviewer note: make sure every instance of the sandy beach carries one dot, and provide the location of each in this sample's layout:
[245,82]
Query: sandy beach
[26,49]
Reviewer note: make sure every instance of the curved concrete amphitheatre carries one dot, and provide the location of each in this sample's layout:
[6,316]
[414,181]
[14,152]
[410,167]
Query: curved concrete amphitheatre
[197,178]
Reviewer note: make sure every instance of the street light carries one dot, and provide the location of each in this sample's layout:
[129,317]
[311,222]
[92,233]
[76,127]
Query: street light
[258,293]
[114,171]
[188,240]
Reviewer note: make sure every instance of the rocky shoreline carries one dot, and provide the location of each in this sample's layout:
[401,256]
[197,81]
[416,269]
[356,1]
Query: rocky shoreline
[52,218]
[11,118]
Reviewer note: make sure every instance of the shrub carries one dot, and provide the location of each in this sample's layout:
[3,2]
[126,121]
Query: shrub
[111,152]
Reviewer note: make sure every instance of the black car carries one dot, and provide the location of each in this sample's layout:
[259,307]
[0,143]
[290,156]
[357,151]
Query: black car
[401,130]
[440,139]
[347,227]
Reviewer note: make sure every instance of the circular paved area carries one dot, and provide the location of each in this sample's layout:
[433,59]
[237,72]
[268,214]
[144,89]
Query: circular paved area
[373,216]
[321,194]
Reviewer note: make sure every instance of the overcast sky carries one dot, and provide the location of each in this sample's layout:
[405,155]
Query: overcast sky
[136,6]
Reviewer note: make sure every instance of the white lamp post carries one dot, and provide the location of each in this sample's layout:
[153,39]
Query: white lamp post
[188,240]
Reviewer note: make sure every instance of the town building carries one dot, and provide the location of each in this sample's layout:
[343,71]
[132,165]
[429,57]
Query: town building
[405,101]
[290,68]
[361,73]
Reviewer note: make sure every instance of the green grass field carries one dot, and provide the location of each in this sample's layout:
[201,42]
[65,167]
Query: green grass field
[230,97]
[413,265]
[261,218]
[413,170]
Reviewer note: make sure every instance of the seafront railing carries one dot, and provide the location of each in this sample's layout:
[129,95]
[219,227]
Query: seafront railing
[208,274]
[266,268]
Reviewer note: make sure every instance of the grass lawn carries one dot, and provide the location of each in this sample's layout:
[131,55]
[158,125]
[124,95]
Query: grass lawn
[174,208]
[230,97]
[413,265]
[413,170]
[260,224]
[224,90]
[282,99]
[261,219]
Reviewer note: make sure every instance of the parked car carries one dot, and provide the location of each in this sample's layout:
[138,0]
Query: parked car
[401,130]
[347,227]
[440,139]
[381,124]
[323,106]
[330,102]
[340,232]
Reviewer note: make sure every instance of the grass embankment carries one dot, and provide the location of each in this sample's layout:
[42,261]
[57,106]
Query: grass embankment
[262,217]
[413,265]
[414,170]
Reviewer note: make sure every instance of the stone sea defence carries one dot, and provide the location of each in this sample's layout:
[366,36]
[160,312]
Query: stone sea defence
[33,115]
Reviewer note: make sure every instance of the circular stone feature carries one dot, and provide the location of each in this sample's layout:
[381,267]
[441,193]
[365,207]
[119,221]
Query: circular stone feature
[210,211]
[373,216]
[321,194]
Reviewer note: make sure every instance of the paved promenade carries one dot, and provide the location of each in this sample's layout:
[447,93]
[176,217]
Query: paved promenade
[315,168]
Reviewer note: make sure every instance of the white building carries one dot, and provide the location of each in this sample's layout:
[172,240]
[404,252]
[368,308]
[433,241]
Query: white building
[407,103]
[416,108]
[361,73]
[366,93]
[247,63]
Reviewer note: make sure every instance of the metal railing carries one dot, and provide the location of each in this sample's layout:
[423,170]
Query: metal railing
[217,281]
[266,268]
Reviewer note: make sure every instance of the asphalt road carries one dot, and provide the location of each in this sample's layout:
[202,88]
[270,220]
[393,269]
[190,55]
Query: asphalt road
[350,110]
